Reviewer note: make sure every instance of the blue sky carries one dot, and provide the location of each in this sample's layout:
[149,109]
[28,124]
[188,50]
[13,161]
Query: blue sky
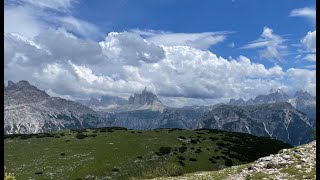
[122,43]
[245,19]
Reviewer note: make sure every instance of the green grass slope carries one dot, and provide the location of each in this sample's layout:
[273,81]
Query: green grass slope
[118,153]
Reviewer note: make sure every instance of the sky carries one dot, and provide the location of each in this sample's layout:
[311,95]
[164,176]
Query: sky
[186,52]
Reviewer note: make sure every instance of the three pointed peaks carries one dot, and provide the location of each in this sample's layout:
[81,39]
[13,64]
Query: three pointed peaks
[146,97]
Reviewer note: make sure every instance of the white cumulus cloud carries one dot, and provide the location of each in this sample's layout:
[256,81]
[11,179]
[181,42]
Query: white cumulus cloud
[124,63]
[309,41]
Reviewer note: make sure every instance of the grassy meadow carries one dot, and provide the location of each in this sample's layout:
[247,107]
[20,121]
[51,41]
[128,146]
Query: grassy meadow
[120,153]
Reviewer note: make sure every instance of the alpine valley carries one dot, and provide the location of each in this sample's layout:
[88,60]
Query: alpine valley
[28,109]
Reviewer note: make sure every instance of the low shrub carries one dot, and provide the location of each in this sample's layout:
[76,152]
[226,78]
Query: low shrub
[194,141]
[181,163]
[139,157]
[115,170]
[214,162]
[192,159]
[103,130]
[92,135]
[182,149]
[81,136]
[25,136]
[164,150]
[181,158]
[228,162]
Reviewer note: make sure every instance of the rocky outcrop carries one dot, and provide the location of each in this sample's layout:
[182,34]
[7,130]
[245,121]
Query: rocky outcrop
[295,163]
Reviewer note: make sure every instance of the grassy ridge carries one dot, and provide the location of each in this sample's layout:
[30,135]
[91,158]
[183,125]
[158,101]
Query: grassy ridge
[119,153]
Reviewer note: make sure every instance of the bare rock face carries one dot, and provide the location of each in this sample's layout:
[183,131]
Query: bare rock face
[239,102]
[30,110]
[277,120]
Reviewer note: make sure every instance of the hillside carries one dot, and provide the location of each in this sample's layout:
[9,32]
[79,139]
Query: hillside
[295,163]
[109,153]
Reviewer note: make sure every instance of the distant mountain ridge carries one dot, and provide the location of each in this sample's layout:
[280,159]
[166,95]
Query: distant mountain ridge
[276,120]
[104,102]
[276,115]
[302,100]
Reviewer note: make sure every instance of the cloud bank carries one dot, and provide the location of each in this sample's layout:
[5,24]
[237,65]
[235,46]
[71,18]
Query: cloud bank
[124,63]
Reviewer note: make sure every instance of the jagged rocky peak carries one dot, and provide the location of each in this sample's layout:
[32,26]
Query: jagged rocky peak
[239,102]
[146,97]
[274,96]
[305,102]
[303,94]
[10,83]
[278,93]
[23,83]
[20,84]
[23,92]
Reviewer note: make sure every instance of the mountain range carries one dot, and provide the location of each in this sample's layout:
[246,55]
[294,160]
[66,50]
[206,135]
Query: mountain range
[30,110]
[302,100]
[275,115]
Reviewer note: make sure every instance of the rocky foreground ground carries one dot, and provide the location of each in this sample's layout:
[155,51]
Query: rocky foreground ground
[296,163]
